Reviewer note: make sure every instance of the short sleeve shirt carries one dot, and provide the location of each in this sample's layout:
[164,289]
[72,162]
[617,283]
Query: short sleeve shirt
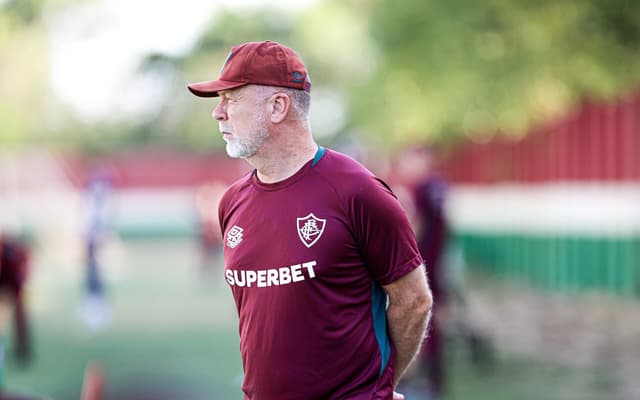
[306,259]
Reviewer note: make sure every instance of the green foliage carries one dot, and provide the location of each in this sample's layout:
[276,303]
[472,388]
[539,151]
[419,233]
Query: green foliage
[412,70]
[231,28]
[454,67]
[22,79]
[433,70]
[23,11]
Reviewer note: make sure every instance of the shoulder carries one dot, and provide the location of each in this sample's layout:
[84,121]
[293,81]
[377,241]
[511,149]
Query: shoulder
[335,162]
[348,176]
[359,192]
[236,187]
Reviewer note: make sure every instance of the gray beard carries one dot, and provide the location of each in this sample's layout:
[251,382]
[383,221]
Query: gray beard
[246,147]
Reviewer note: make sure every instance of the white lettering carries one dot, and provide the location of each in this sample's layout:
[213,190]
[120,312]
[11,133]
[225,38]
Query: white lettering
[309,266]
[229,275]
[262,275]
[238,281]
[296,273]
[251,277]
[285,275]
[271,276]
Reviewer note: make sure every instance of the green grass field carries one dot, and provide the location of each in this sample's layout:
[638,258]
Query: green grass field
[174,336]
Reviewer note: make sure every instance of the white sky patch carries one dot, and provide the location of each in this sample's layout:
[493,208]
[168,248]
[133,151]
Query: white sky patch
[96,47]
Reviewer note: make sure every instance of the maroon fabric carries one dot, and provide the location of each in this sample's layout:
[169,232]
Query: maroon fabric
[260,63]
[312,337]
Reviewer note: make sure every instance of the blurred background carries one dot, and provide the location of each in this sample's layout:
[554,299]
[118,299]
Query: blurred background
[510,131]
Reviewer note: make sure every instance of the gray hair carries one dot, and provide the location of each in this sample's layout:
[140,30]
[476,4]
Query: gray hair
[300,101]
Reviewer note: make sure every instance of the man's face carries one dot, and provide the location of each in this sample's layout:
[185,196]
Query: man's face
[242,117]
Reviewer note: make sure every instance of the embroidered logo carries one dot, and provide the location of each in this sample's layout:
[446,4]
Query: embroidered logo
[310,229]
[297,77]
[234,236]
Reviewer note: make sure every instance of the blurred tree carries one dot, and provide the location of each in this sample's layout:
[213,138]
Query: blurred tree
[24,12]
[467,67]
[399,70]
[433,70]
[24,75]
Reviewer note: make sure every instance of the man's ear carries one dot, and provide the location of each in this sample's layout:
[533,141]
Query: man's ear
[280,107]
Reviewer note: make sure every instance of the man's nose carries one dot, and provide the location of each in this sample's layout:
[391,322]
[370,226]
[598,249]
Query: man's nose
[219,113]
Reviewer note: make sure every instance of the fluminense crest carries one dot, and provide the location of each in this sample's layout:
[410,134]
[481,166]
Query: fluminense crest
[310,229]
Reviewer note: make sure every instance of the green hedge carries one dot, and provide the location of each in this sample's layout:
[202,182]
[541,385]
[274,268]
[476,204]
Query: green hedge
[558,262]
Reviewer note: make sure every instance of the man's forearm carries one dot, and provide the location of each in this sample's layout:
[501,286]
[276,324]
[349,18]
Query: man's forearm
[407,326]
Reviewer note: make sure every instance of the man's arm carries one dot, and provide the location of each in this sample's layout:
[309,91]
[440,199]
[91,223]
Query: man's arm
[408,315]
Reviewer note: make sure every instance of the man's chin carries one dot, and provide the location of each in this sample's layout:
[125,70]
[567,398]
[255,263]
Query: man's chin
[234,153]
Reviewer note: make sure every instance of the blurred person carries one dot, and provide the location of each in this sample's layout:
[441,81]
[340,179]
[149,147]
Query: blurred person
[315,245]
[14,266]
[208,197]
[427,194]
[96,311]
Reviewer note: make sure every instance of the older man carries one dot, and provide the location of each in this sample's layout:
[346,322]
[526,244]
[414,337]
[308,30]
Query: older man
[328,282]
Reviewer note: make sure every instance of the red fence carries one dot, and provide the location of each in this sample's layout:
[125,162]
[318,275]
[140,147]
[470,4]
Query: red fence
[597,141]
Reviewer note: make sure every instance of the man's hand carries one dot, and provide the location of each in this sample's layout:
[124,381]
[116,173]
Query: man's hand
[398,396]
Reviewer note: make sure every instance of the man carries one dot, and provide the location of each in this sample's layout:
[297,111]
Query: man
[14,265]
[416,171]
[430,195]
[314,245]
[95,310]
[208,195]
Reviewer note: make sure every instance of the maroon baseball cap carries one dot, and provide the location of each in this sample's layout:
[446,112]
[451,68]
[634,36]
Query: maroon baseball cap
[260,63]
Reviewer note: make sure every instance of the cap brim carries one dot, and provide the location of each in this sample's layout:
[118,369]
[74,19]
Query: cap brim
[211,88]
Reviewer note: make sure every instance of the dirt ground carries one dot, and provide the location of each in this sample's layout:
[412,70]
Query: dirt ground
[589,331]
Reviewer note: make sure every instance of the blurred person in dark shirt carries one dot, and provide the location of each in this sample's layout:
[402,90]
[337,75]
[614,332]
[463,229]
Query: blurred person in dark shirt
[426,190]
[14,266]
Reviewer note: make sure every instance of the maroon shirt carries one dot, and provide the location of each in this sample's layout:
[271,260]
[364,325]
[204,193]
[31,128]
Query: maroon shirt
[306,258]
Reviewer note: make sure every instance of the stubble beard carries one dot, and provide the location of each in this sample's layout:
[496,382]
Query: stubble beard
[238,147]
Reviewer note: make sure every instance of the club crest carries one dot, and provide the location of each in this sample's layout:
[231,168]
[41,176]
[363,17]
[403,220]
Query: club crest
[310,229]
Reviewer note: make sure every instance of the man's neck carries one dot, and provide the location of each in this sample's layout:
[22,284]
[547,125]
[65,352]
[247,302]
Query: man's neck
[284,161]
